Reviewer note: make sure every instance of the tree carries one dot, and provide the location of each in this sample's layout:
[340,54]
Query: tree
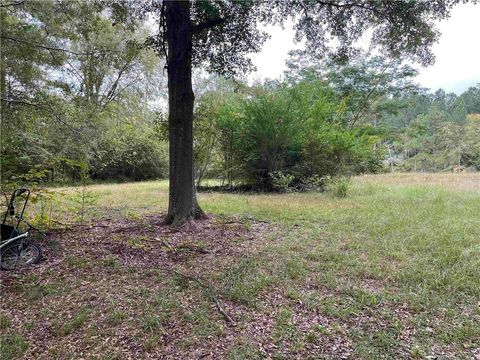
[65,81]
[472,99]
[369,85]
[219,34]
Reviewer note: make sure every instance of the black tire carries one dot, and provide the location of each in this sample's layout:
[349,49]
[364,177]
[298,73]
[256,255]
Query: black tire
[18,255]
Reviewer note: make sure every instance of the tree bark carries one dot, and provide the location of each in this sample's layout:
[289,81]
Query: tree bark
[183,204]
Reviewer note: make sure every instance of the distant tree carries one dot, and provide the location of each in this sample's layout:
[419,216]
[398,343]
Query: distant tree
[219,34]
[471,97]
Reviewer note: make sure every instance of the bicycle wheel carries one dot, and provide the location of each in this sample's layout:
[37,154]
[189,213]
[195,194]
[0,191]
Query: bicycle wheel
[18,255]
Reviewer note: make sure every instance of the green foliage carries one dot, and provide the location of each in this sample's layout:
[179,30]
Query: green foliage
[13,346]
[281,181]
[283,135]
[339,187]
[74,324]
[244,281]
[242,352]
[4,322]
[436,141]
[66,81]
[128,152]
[228,31]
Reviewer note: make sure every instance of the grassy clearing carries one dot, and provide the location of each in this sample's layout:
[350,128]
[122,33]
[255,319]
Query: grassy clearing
[390,271]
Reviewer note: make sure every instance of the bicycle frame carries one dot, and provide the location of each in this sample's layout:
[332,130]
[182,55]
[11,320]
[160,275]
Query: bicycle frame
[11,209]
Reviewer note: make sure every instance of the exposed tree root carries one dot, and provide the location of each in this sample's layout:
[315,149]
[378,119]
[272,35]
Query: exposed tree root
[180,219]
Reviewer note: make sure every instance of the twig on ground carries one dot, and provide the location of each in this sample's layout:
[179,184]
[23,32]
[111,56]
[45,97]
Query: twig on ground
[210,293]
[63,224]
[194,248]
[166,244]
[70,226]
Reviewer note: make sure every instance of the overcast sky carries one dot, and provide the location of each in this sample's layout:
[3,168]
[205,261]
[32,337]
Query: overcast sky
[457,53]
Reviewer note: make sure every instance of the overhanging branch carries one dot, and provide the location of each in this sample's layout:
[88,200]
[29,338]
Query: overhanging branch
[208,24]
[38,45]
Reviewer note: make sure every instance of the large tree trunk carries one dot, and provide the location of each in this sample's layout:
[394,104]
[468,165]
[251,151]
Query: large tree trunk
[183,204]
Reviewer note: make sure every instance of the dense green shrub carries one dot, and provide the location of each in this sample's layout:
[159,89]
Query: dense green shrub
[282,135]
[128,153]
[334,150]
[338,187]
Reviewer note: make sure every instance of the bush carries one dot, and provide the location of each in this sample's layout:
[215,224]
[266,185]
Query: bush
[339,187]
[129,153]
[283,136]
[281,181]
[334,150]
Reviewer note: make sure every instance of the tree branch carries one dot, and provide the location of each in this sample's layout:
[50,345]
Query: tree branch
[208,24]
[16,3]
[48,108]
[39,46]
[49,48]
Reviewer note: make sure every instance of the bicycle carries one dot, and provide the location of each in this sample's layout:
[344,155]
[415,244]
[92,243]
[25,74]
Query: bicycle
[17,249]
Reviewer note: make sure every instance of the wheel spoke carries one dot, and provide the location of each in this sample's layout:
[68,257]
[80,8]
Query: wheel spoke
[20,255]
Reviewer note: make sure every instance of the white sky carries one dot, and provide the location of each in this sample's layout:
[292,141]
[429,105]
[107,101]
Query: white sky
[457,53]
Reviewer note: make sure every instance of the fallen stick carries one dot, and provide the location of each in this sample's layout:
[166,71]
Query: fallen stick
[165,243]
[209,293]
[194,248]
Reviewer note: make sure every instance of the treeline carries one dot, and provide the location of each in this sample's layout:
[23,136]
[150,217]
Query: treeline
[76,95]
[333,119]
[436,131]
[83,98]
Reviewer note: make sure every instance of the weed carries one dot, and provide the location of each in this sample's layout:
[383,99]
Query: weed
[29,325]
[292,294]
[152,322]
[39,291]
[144,292]
[294,268]
[339,187]
[12,346]
[166,302]
[110,262]
[311,337]
[321,329]
[76,323]
[77,262]
[417,353]
[284,327]
[241,352]
[244,281]
[150,343]
[204,323]
[116,317]
[4,322]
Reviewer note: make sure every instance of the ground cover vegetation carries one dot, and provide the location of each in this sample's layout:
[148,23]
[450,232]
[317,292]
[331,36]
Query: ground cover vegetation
[390,271]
